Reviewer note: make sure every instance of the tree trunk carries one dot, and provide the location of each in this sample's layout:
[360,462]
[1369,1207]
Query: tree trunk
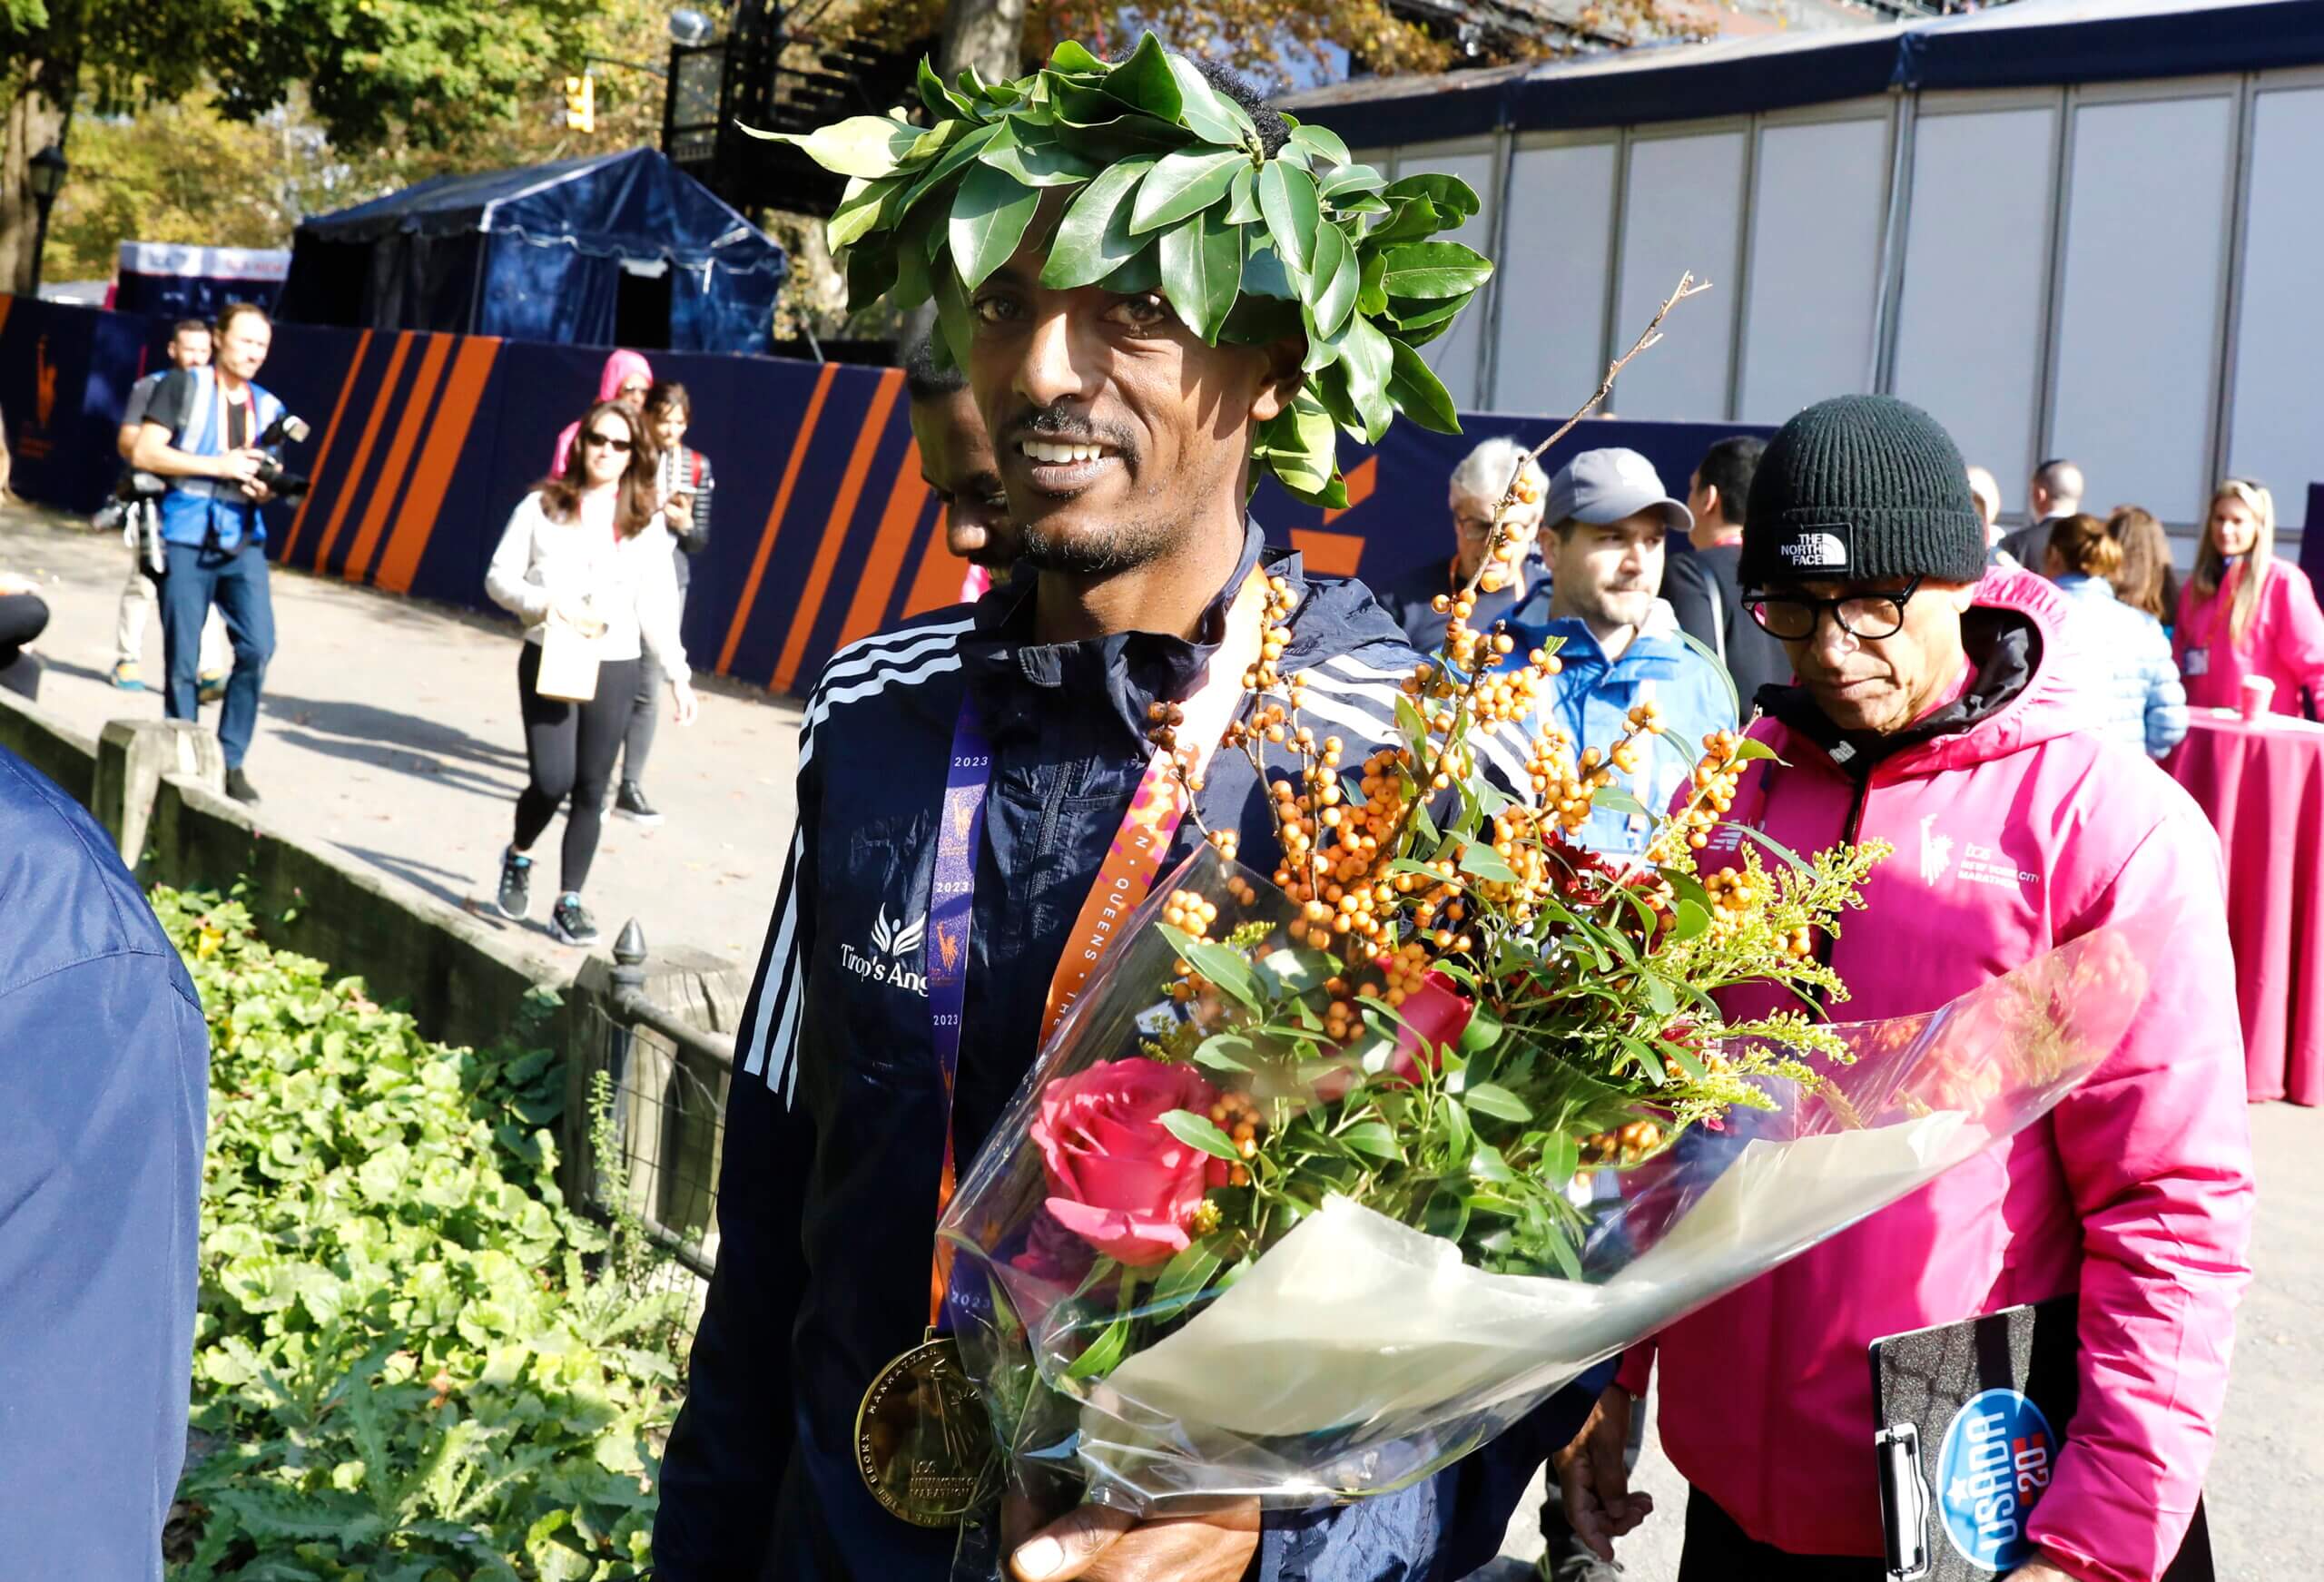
[38,108]
[988,34]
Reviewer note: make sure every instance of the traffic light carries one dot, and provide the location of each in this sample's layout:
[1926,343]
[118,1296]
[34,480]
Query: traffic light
[581,103]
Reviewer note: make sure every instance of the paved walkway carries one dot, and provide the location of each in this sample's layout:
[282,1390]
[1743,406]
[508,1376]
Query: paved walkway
[2266,1490]
[390,728]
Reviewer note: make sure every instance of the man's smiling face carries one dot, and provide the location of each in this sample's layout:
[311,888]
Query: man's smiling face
[1118,430]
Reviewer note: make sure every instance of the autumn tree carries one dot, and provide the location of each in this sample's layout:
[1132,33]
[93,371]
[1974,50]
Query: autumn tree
[420,75]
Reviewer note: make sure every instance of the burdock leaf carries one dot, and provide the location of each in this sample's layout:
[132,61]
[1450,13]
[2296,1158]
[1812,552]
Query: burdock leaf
[935,95]
[861,145]
[1146,81]
[1039,161]
[956,326]
[1287,198]
[1201,1132]
[1202,269]
[1434,269]
[989,221]
[1322,141]
[1094,238]
[1454,199]
[1208,114]
[1332,282]
[1243,197]
[1418,393]
[1181,182]
[960,152]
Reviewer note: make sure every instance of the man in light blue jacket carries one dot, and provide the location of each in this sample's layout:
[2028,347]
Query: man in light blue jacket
[1607,515]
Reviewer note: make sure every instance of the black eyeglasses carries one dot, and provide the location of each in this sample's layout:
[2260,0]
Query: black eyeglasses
[609,442]
[1792,617]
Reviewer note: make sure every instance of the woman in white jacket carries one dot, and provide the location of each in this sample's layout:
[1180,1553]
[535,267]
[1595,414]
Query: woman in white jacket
[586,552]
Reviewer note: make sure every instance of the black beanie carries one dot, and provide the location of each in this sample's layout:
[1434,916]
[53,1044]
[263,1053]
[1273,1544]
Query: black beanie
[1861,488]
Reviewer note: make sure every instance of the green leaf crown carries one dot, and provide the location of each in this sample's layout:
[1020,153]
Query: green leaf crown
[1172,190]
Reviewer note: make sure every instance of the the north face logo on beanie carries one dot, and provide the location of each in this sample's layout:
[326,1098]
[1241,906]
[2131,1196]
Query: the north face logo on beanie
[1821,549]
[1861,488]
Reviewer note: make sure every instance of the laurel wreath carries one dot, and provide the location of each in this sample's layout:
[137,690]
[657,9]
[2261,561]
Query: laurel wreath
[1172,190]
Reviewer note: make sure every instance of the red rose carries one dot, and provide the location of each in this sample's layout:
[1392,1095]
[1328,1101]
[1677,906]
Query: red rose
[1122,1183]
[1434,1015]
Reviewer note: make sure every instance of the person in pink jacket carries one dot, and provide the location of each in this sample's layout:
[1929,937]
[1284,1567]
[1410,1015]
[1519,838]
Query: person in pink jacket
[626,377]
[2244,612]
[1939,709]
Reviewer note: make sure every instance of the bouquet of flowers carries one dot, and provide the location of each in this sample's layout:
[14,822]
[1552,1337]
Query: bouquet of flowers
[1331,1174]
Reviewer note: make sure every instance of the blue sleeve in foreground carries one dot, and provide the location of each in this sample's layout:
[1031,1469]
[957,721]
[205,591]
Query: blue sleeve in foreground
[105,1084]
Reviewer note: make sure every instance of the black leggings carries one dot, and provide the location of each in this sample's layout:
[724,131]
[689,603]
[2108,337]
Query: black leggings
[22,618]
[571,749]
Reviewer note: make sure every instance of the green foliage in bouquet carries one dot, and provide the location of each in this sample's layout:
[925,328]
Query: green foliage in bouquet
[1165,187]
[412,1363]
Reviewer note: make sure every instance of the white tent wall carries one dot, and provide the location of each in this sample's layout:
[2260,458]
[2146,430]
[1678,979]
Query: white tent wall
[2275,417]
[2121,274]
[1556,269]
[1975,285]
[2138,328]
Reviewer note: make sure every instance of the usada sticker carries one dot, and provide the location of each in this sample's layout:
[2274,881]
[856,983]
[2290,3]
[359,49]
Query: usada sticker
[1994,1465]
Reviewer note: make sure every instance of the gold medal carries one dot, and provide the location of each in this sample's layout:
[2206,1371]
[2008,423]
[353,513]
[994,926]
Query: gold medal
[922,1440]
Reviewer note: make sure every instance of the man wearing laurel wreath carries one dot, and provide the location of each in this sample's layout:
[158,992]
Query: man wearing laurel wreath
[1156,288]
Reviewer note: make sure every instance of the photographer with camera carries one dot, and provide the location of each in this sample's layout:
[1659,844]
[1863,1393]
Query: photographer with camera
[206,430]
[135,510]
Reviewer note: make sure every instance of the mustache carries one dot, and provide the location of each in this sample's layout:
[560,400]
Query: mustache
[1059,423]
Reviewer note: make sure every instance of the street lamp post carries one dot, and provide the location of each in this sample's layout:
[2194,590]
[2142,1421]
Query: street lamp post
[48,170]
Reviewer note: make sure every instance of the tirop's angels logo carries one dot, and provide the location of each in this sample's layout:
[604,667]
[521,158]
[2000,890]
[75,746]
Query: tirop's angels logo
[898,944]
[896,938]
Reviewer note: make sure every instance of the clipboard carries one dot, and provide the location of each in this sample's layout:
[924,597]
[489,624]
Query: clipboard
[1968,1422]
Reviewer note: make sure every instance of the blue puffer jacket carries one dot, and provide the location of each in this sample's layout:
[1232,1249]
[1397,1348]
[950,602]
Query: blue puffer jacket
[2131,675]
[835,1123]
[104,1084]
[1593,696]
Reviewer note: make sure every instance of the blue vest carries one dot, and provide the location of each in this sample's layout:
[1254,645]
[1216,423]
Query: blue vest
[195,508]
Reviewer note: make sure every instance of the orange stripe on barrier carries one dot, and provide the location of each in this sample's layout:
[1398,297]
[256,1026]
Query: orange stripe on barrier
[7,301]
[1333,553]
[354,481]
[775,515]
[938,583]
[445,438]
[850,487]
[392,471]
[330,432]
[889,546]
[1359,489]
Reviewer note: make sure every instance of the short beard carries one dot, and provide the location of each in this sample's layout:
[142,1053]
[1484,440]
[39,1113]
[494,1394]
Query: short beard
[1100,552]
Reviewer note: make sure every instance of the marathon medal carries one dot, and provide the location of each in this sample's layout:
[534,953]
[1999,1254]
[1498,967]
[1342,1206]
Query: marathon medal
[923,1443]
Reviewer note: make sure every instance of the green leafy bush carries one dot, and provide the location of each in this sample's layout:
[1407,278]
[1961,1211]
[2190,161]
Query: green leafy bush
[412,1363]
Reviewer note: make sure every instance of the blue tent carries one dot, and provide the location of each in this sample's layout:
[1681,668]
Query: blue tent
[612,250]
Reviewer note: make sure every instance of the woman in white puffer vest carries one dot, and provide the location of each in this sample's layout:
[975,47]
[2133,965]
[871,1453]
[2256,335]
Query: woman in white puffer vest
[2126,650]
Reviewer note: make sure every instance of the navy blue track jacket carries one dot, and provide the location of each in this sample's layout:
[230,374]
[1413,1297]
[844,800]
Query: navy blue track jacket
[835,1124]
[104,1083]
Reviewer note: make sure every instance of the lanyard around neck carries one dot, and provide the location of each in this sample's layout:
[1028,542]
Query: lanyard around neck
[1133,861]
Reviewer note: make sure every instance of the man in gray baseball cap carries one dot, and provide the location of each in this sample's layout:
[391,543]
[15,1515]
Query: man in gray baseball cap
[1607,517]
[1619,644]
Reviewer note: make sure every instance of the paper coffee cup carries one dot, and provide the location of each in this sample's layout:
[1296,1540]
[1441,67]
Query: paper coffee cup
[2259,696]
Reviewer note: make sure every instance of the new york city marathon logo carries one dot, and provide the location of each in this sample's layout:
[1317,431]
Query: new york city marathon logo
[1994,1465]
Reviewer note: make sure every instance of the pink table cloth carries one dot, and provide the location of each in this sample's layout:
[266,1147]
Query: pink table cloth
[2263,786]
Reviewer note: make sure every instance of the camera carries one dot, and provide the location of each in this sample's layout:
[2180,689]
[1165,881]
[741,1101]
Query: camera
[289,429]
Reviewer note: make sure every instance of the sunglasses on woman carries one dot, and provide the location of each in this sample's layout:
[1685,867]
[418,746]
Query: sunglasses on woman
[620,446]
